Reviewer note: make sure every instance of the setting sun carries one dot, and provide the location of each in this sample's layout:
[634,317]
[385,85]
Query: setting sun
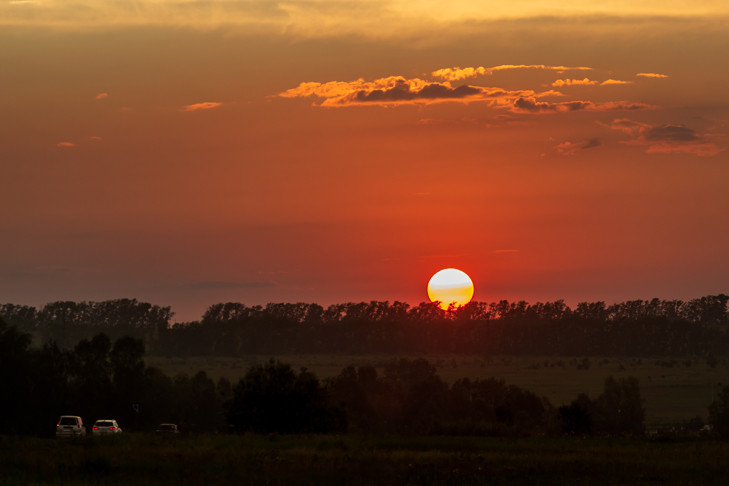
[450,285]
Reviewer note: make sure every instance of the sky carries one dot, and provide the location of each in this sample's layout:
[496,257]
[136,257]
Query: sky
[191,152]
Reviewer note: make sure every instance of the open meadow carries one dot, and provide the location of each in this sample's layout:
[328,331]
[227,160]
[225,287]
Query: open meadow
[352,460]
[675,390]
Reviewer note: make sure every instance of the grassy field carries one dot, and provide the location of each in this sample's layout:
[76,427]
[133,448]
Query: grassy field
[285,460]
[675,390]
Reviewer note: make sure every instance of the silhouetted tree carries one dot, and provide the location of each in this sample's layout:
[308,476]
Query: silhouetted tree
[620,408]
[15,379]
[719,413]
[577,418]
[51,397]
[356,390]
[274,398]
[198,407]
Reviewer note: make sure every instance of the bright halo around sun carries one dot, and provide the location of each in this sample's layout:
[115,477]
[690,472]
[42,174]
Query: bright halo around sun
[450,286]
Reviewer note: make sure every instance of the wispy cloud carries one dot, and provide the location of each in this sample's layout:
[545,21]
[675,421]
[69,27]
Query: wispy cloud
[609,82]
[206,105]
[651,75]
[65,144]
[458,73]
[101,96]
[574,82]
[531,105]
[330,18]
[587,82]
[666,138]
[570,148]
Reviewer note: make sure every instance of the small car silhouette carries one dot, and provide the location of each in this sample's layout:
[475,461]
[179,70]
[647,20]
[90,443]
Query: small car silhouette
[167,429]
[106,427]
[70,426]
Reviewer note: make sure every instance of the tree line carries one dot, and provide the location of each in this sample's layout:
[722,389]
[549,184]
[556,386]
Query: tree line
[638,327]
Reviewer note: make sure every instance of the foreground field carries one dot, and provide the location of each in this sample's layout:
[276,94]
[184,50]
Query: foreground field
[279,460]
[675,389]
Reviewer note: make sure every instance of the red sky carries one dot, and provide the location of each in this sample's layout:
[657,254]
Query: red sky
[189,153]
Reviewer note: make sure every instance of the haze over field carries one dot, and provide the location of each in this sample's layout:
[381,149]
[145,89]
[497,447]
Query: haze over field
[188,153]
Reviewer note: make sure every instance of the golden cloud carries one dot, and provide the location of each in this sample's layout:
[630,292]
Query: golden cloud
[206,105]
[573,82]
[394,90]
[608,82]
[65,144]
[101,96]
[652,75]
[457,73]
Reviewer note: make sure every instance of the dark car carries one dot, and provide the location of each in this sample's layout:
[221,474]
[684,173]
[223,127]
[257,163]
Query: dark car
[106,427]
[164,429]
[70,426]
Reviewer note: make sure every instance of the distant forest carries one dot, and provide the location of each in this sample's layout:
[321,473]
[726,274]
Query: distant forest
[698,327]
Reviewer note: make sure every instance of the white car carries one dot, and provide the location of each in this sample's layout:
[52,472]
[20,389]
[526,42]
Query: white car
[106,427]
[70,426]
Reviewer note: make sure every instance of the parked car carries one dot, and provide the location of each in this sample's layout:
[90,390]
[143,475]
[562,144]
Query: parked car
[70,426]
[106,427]
[164,429]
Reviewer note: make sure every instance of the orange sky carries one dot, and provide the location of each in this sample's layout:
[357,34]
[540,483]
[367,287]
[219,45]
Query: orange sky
[188,153]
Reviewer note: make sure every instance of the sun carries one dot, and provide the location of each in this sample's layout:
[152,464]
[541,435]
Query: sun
[450,286]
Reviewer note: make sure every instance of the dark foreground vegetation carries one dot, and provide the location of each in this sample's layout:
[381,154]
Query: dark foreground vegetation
[697,327]
[358,460]
[398,423]
[99,379]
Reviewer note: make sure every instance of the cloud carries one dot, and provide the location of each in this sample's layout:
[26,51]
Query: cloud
[206,105]
[65,144]
[570,148]
[393,90]
[425,22]
[573,82]
[531,105]
[457,73]
[673,133]
[95,137]
[101,96]
[628,126]
[699,149]
[609,82]
[398,90]
[666,138]
[587,82]
[652,75]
